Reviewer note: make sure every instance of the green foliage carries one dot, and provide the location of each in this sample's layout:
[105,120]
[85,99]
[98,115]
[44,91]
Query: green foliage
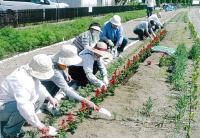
[179,62]
[195,51]
[147,107]
[13,41]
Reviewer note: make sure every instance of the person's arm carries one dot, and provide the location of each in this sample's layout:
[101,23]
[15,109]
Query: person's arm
[24,105]
[120,37]
[103,35]
[60,81]
[103,71]
[88,62]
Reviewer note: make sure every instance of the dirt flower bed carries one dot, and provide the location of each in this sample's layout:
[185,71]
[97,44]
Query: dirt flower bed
[142,107]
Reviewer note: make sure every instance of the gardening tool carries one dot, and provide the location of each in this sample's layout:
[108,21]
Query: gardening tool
[104,111]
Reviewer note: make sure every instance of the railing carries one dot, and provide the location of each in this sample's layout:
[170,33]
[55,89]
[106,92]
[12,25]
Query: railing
[16,17]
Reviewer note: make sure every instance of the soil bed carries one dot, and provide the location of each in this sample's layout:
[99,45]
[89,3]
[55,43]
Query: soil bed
[148,82]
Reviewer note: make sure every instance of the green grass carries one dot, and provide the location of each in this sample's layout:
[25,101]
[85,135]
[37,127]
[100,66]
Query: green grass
[14,41]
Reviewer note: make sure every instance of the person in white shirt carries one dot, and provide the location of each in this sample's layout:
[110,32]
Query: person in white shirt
[67,56]
[155,18]
[85,71]
[22,94]
[150,6]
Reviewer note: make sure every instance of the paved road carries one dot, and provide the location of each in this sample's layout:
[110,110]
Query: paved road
[8,65]
[194,16]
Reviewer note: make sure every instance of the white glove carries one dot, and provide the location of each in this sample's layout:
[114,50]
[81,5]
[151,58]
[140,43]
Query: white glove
[110,43]
[105,80]
[52,131]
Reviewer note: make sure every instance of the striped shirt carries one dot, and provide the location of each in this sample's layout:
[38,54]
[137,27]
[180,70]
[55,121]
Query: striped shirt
[84,39]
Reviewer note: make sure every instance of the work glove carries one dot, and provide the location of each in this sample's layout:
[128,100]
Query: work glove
[52,131]
[105,80]
[110,43]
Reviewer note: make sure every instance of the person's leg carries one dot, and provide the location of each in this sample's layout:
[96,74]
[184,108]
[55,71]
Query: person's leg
[150,11]
[11,118]
[77,73]
[124,43]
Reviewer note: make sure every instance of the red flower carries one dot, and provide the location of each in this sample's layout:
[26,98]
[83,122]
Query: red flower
[129,63]
[103,89]
[97,92]
[113,80]
[63,124]
[70,117]
[84,106]
[44,131]
[148,62]
[115,73]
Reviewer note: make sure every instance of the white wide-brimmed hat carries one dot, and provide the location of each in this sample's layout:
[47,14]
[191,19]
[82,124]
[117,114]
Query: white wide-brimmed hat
[101,49]
[116,20]
[96,28]
[67,56]
[40,67]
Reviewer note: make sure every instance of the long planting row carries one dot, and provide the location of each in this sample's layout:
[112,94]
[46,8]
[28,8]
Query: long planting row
[13,41]
[188,94]
[119,75]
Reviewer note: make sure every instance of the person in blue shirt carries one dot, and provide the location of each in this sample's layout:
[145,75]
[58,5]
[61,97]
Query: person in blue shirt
[112,34]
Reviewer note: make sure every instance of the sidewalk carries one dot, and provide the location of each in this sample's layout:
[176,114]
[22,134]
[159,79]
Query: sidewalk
[8,65]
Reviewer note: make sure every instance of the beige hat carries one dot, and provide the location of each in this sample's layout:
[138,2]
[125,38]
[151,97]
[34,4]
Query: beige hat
[101,49]
[116,20]
[96,28]
[67,56]
[41,67]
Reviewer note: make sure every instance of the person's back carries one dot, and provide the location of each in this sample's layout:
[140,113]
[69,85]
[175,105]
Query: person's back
[150,3]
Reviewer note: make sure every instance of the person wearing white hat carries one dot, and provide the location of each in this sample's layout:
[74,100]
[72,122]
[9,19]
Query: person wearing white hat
[22,94]
[85,71]
[67,56]
[112,34]
[88,38]
[155,18]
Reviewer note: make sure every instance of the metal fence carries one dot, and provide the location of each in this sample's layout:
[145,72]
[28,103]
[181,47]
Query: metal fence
[14,18]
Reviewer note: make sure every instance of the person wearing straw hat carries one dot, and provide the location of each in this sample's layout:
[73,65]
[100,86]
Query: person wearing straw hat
[88,38]
[67,56]
[22,94]
[112,35]
[85,71]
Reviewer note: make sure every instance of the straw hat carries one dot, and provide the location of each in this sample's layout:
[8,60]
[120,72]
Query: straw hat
[41,67]
[67,56]
[101,49]
[96,28]
[116,20]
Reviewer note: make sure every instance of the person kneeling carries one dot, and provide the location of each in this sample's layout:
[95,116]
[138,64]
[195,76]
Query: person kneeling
[91,63]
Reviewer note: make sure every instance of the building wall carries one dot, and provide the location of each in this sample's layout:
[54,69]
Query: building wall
[87,3]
